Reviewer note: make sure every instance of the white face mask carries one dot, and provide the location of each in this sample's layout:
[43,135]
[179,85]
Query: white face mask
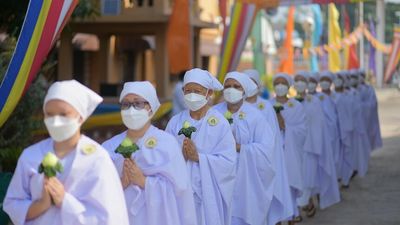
[312,87]
[325,85]
[61,128]
[233,95]
[135,119]
[338,82]
[281,90]
[300,86]
[195,101]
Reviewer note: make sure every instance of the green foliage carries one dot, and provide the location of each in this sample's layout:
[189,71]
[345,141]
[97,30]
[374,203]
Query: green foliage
[299,98]
[16,133]
[127,151]
[278,108]
[187,131]
[51,171]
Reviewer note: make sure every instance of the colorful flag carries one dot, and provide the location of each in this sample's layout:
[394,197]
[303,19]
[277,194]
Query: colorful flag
[256,37]
[43,23]
[350,52]
[316,36]
[179,38]
[334,38]
[394,55]
[235,37]
[287,65]
[372,50]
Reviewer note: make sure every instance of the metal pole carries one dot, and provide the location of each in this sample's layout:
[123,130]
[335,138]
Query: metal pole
[361,21]
[380,28]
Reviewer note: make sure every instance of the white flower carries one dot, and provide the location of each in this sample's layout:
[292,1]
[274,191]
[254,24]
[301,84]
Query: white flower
[50,160]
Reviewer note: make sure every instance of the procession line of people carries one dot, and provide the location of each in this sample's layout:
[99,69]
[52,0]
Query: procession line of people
[243,161]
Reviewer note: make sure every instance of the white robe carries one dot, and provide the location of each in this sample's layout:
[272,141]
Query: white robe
[346,128]
[178,103]
[93,191]
[213,177]
[167,197]
[318,162]
[331,118]
[361,150]
[252,194]
[373,127]
[293,138]
[281,206]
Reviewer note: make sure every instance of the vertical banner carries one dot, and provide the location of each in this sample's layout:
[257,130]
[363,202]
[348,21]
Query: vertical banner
[287,64]
[394,55]
[334,34]
[179,41]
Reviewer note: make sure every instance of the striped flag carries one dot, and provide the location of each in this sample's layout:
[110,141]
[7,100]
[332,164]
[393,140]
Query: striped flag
[43,23]
[394,55]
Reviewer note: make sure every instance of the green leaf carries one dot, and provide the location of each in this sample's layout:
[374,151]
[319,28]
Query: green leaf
[127,151]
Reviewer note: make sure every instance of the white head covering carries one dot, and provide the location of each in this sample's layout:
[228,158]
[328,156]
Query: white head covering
[288,78]
[314,75]
[247,84]
[341,74]
[327,74]
[202,77]
[145,90]
[304,74]
[361,72]
[253,74]
[76,94]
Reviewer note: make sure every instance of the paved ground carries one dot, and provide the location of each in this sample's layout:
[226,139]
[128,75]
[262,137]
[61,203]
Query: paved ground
[375,199]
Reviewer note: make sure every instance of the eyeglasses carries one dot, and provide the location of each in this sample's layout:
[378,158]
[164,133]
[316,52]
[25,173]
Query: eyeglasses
[138,105]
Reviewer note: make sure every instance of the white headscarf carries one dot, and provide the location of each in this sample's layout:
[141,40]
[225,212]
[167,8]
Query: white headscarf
[253,74]
[314,75]
[327,74]
[304,74]
[247,84]
[202,77]
[288,78]
[145,90]
[80,97]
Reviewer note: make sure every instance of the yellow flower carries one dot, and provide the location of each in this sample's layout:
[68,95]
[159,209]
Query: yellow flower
[290,104]
[50,160]
[241,115]
[151,142]
[228,115]
[261,106]
[186,124]
[212,121]
[88,149]
[321,97]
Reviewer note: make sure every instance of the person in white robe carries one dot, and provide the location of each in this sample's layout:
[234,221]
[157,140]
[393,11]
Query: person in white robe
[156,184]
[210,151]
[342,100]
[373,126]
[255,143]
[88,190]
[178,104]
[318,163]
[330,113]
[293,127]
[281,206]
[361,150]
